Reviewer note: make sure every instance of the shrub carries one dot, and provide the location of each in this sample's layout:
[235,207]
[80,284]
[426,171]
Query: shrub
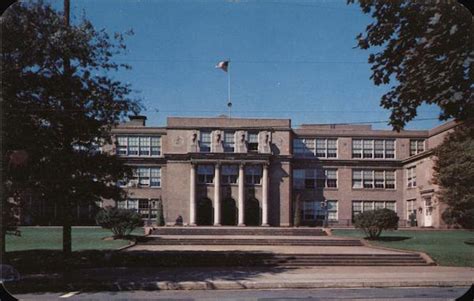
[120,221]
[375,221]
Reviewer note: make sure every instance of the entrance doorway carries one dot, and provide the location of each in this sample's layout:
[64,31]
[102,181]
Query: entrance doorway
[253,212]
[428,218]
[205,212]
[229,212]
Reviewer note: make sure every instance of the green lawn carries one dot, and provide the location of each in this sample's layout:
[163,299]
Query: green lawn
[445,247]
[51,238]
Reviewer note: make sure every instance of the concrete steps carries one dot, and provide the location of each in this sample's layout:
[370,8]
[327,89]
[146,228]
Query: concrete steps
[250,242]
[249,259]
[260,231]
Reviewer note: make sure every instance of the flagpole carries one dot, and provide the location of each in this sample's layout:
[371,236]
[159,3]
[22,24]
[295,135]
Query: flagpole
[229,104]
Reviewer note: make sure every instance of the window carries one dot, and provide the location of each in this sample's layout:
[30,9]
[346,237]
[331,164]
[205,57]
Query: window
[367,148]
[133,143]
[139,146]
[252,142]
[144,146]
[253,174]
[230,174]
[315,210]
[356,148]
[205,174]
[122,144]
[314,178]
[411,208]
[362,206]
[155,146]
[145,207]
[370,148]
[298,178]
[331,178]
[130,204]
[417,146]
[366,178]
[205,142]
[319,147]
[303,147]
[145,177]
[331,148]
[229,142]
[155,177]
[411,177]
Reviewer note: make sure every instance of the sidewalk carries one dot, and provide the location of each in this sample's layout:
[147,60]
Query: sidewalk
[117,279]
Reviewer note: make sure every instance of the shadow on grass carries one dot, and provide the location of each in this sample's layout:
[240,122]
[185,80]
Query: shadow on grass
[47,270]
[389,238]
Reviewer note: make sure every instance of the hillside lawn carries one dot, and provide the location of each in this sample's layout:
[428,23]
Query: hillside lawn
[50,238]
[447,248]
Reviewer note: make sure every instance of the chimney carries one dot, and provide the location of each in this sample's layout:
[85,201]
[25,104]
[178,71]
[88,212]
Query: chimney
[137,120]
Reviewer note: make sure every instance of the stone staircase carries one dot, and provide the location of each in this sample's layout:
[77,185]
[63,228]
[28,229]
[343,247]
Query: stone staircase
[259,231]
[251,241]
[263,246]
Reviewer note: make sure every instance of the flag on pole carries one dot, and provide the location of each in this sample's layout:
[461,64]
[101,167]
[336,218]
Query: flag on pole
[223,65]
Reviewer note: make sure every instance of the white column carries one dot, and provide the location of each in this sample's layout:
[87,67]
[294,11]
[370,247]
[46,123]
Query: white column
[241,196]
[192,195]
[217,195]
[265,195]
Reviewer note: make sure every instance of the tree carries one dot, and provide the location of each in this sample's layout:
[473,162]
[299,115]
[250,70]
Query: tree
[120,221]
[425,49]
[454,173]
[59,105]
[373,222]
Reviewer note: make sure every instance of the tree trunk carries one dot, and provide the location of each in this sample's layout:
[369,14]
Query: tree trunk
[3,252]
[67,237]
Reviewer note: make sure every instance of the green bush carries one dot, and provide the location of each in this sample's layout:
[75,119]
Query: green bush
[375,221]
[120,221]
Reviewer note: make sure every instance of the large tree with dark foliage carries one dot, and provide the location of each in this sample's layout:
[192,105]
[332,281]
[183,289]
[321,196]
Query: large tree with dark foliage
[454,172]
[425,50]
[59,104]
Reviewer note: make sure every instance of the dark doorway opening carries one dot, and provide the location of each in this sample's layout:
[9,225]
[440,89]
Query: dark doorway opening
[229,212]
[205,212]
[253,212]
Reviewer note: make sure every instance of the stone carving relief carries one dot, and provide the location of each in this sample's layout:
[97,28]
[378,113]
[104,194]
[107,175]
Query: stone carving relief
[241,141]
[217,145]
[194,142]
[264,142]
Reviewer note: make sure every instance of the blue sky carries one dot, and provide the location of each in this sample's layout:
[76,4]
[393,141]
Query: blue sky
[289,59]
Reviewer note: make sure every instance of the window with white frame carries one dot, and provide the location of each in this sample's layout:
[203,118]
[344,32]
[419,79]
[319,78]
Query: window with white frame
[314,210]
[252,142]
[145,207]
[411,208]
[417,146]
[253,174]
[205,174]
[314,178]
[146,177]
[303,147]
[229,142]
[411,176]
[367,178]
[143,146]
[318,147]
[133,146]
[363,206]
[205,141]
[373,148]
[229,174]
